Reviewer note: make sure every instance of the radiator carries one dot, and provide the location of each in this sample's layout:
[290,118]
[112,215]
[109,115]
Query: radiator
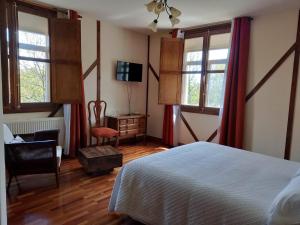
[32,125]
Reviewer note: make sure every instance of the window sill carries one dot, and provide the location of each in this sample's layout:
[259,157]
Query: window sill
[199,110]
[30,108]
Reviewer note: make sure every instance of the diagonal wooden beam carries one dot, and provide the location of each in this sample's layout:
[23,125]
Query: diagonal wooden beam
[290,124]
[153,72]
[188,127]
[57,108]
[212,136]
[271,72]
[90,69]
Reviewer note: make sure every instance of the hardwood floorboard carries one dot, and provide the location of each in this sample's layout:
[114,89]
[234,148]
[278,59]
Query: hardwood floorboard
[80,200]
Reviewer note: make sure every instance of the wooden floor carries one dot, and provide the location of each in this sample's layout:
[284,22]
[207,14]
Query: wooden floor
[80,199]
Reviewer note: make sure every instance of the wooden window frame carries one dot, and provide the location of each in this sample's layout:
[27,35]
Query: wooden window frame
[11,81]
[205,33]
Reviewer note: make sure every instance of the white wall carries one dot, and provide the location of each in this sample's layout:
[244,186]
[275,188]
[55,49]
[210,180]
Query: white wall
[3,216]
[267,113]
[122,44]
[116,44]
[155,111]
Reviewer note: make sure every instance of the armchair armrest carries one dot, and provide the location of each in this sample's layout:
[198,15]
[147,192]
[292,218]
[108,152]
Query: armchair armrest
[44,135]
[34,144]
[26,137]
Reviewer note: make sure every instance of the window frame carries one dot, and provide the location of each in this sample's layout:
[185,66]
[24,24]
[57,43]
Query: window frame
[11,94]
[205,33]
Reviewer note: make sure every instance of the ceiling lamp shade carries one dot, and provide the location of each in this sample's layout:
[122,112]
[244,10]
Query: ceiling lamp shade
[175,12]
[153,25]
[174,20]
[151,6]
[159,6]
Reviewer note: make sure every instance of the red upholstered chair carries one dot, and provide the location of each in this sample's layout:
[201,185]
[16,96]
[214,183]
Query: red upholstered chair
[100,130]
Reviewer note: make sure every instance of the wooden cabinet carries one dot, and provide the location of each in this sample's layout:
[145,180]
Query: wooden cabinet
[128,125]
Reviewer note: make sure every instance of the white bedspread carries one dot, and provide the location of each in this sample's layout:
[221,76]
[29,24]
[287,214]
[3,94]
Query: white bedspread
[201,183]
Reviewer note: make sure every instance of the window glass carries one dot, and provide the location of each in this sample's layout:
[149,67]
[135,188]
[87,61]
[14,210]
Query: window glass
[217,61]
[34,81]
[34,68]
[193,53]
[214,90]
[191,89]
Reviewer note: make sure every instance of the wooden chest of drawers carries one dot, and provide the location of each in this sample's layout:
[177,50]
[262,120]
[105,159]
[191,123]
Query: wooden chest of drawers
[128,125]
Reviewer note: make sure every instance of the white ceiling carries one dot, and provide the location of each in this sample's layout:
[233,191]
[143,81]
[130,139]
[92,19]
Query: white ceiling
[133,14]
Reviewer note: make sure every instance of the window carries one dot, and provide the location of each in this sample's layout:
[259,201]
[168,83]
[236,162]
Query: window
[27,76]
[204,63]
[34,58]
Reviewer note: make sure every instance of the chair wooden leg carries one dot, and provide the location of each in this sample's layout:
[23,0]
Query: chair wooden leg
[18,184]
[57,179]
[117,141]
[98,141]
[103,140]
[9,182]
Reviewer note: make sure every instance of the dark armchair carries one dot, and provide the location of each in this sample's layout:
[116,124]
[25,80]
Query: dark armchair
[39,155]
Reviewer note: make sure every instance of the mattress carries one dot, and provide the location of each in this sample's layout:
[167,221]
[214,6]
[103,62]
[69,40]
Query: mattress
[201,183]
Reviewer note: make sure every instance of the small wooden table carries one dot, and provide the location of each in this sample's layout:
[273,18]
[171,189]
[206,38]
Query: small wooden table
[100,159]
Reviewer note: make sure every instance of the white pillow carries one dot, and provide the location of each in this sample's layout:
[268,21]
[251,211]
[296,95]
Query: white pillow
[8,136]
[285,209]
[298,173]
[17,139]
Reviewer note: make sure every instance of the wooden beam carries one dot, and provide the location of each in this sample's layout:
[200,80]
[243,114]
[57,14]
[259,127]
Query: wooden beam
[98,61]
[212,136]
[188,127]
[271,72]
[290,124]
[90,69]
[147,88]
[4,53]
[153,72]
[57,108]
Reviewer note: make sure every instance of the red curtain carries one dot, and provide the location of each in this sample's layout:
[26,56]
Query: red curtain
[232,126]
[168,126]
[78,129]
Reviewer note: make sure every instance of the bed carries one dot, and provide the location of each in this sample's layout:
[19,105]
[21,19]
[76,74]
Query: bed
[201,183]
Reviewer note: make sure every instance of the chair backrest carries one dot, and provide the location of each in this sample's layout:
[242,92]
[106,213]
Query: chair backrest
[97,109]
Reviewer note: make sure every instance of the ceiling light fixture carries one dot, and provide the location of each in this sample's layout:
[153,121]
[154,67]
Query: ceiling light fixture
[158,6]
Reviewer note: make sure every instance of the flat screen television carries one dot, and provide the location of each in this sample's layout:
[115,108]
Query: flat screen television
[127,71]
